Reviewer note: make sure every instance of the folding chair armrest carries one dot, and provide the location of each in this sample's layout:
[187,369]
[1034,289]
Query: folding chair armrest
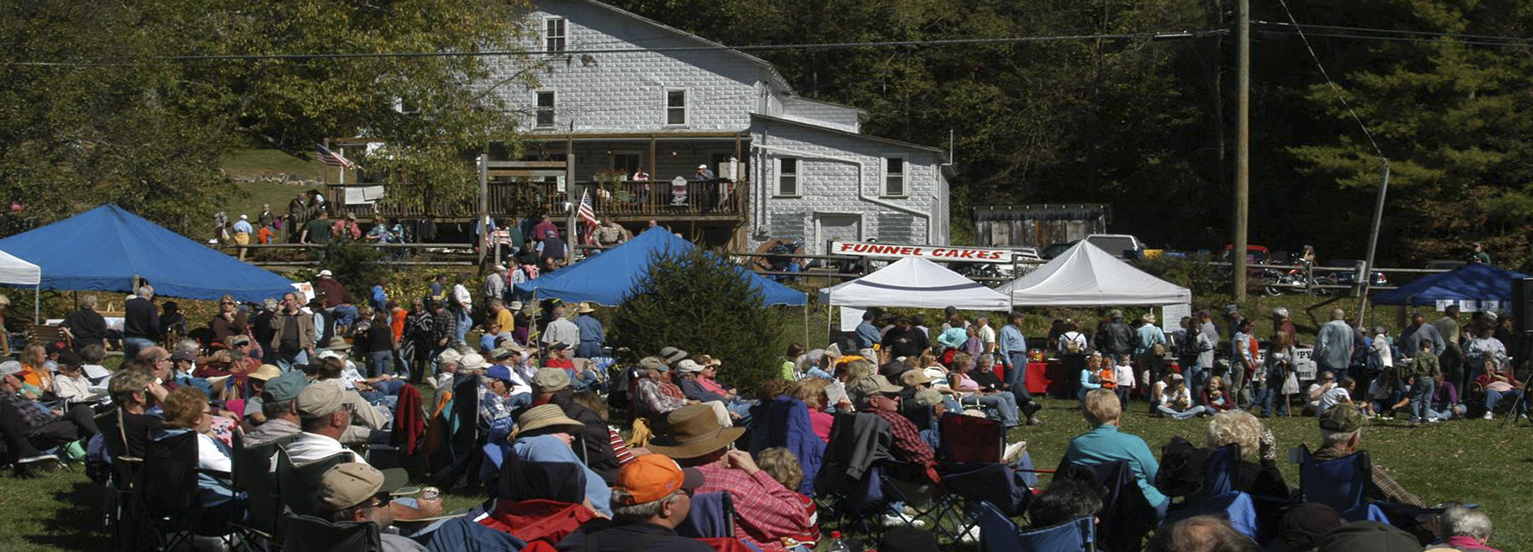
[1406,509]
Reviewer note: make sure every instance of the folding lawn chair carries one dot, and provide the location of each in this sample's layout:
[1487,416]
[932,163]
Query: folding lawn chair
[1217,495]
[999,534]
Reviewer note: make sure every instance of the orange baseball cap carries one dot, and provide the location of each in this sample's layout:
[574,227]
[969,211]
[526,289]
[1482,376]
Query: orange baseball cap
[654,476]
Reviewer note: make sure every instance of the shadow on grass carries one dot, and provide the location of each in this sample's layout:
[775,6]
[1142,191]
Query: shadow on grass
[76,524]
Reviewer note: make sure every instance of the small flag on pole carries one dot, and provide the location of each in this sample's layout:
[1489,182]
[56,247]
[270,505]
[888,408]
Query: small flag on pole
[585,211]
[332,158]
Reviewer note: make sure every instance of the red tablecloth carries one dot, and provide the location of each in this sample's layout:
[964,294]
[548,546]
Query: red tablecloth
[1038,377]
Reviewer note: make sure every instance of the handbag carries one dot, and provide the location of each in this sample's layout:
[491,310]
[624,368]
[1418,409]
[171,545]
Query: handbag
[1291,384]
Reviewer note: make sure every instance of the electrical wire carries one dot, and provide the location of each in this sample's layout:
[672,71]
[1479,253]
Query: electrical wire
[1342,98]
[748,48]
[1395,31]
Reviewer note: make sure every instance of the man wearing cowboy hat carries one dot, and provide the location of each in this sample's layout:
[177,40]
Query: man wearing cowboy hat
[592,336]
[1148,339]
[544,434]
[651,497]
[552,386]
[765,511]
[279,411]
[360,493]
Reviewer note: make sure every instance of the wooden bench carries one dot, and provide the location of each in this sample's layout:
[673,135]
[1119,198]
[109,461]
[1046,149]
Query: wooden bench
[45,334]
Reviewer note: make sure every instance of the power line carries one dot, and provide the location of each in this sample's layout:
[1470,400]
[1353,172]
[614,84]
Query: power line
[1342,98]
[1396,31]
[1180,35]
[1438,42]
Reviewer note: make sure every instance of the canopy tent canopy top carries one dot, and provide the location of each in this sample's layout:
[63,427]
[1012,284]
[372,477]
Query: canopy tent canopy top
[916,283]
[1087,276]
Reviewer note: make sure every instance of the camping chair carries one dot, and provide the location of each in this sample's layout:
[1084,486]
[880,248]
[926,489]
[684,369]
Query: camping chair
[463,440]
[970,439]
[312,534]
[1341,484]
[253,475]
[980,484]
[120,515]
[1126,516]
[784,422]
[1217,495]
[712,516]
[538,501]
[298,486]
[167,487]
[998,534]
[849,474]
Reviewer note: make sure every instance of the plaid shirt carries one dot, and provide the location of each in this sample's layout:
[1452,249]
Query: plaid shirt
[765,511]
[32,417]
[908,445]
[1384,487]
[443,327]
[655,399]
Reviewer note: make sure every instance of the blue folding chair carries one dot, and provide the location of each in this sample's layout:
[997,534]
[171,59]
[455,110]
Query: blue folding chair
[1126,515]
[784,422]
[997,533]
[712,516]
[1341,484]
[1218,497]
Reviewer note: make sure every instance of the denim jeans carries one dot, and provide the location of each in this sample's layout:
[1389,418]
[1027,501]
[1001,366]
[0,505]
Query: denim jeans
[286,362]
[1421,399]
[463,324]
[1493,397]
[1004,402]
[132,345]
[1194,411]
[1016,377]
[379,363]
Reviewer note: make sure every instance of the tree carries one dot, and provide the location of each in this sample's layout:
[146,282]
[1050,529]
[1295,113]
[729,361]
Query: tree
[96,107]
[703,303]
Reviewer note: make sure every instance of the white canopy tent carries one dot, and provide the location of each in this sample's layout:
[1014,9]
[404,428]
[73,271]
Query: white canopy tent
[917,283]
[1085,275]
[16,272]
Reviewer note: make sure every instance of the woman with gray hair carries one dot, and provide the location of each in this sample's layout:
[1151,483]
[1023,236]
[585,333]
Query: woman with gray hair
[1242,428]
[1463,530]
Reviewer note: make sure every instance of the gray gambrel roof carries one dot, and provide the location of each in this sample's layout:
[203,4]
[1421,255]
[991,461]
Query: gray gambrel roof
[776,78]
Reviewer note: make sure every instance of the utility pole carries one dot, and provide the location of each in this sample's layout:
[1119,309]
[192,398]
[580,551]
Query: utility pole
[1242,145]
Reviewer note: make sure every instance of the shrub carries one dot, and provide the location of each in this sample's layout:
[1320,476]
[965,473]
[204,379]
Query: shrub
[701,302]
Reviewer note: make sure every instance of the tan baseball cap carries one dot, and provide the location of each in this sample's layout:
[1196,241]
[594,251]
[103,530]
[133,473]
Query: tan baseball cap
[347,485]
[319,400]
[550,380]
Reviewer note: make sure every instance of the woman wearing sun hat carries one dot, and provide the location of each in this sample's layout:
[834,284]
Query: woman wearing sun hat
[545,434]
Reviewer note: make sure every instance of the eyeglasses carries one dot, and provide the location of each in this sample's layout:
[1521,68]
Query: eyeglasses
[380,500]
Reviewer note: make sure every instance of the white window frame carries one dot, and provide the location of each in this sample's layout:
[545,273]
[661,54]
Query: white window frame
[537,109]
[686,107]
[563,38]
[884,175]
[798,179]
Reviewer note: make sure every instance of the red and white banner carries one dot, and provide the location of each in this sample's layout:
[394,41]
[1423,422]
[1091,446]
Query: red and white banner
[938,253]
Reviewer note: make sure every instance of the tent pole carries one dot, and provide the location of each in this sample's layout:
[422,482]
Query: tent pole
[806,323]
[37,304]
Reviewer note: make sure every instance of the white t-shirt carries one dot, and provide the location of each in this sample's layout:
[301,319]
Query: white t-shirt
[987,336]
[1333,397]
[210,457]
[1125,375]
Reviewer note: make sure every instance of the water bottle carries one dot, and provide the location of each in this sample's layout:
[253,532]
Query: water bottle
[836,544]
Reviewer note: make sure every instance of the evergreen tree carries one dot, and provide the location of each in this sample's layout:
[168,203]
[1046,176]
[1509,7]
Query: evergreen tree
[702,303]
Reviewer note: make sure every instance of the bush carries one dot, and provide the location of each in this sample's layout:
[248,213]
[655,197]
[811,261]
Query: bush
[701,303]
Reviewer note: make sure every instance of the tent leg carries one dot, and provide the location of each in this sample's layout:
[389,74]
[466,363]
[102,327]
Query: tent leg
[806,323]
[37,304]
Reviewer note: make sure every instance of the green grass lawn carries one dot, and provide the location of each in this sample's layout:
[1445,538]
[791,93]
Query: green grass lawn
[1471,461]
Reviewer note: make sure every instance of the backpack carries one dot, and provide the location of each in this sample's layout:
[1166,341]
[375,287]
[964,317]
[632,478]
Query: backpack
[1072,343]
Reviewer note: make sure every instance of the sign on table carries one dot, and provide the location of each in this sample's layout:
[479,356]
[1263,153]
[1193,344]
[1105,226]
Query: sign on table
[1171,316]
[939,253]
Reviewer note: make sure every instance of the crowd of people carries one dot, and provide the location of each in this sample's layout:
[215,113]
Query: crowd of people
[335,376]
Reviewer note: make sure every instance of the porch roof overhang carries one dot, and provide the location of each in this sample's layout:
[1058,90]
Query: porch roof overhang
[742,134]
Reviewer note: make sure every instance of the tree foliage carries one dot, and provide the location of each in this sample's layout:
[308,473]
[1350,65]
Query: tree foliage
[121,121]
[1148,126]
[700,302]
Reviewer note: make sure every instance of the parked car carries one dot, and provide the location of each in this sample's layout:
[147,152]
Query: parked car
[1056,249]
[1123,245]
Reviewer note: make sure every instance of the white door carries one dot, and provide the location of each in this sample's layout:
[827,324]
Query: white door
[835,227]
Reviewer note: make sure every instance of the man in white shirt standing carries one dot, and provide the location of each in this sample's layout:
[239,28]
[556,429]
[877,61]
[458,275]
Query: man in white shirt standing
[465,306]
[561,330]
[986,333]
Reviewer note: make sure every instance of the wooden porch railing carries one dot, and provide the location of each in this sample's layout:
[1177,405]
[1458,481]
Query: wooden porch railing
[619,199]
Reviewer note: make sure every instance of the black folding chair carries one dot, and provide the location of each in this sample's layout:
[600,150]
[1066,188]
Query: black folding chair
[253,475]
[126,522]
[313,534]
[167,490]
[1126,515]
[298,486]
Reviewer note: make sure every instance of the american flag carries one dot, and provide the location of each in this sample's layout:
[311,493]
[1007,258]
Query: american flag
[332,158]
[585,211]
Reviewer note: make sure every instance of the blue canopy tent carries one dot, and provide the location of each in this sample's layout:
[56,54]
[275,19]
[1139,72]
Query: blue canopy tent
[607,278]
[105,248]
[1471,282]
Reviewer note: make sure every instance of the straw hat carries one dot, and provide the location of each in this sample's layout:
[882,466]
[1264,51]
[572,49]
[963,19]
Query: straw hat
[694,432]
[585,308]
[543,417]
